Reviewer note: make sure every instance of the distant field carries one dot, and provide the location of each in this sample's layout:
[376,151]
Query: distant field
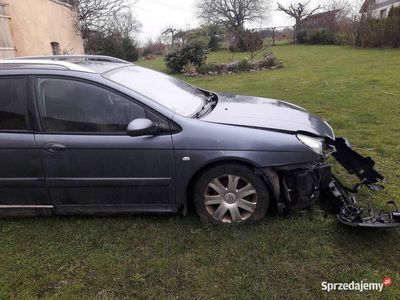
[357,91]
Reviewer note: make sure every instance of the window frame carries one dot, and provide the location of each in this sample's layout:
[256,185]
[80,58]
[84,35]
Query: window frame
[28,121]
[40,117]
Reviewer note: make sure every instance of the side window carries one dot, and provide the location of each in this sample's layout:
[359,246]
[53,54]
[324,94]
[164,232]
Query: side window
[13,103]
[74,106]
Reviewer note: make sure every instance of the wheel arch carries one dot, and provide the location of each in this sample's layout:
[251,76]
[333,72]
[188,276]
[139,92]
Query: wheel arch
[268,177]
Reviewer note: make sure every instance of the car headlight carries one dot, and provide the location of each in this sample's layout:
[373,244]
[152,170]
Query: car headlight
[316,144]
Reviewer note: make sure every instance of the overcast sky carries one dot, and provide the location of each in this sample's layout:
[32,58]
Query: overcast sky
[156,15]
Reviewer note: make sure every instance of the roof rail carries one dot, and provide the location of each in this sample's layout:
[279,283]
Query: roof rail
[43,62]
[77,58]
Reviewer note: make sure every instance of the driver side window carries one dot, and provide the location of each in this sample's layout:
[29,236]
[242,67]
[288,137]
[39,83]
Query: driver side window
[74,106]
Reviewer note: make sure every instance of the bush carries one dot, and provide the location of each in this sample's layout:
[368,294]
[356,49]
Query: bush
[214,33]
[194,50]
[154,48]
[189,69]
[385,32]
[269,61]
[247,41]
[208,68]
[113,44]
[392,28]
[244,65]
[316,36]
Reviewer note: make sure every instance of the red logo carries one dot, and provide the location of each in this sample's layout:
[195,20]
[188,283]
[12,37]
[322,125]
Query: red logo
[387,281]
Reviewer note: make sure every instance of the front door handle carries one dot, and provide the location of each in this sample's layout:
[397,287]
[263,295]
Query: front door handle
[55,148]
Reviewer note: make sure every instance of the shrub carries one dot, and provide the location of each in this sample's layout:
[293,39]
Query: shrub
[214,33]
[392,27]
[370,32]
[269,61]
[244,65]
[189,69]
[247,41]
[316,36]
[194,50]
[154,48]
[384,32]
[207,68]
[114,44]
[233,66]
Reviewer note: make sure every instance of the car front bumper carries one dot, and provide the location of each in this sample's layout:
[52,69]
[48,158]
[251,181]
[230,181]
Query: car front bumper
[302,186]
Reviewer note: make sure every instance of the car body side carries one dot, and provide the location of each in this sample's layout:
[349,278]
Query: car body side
[197,144]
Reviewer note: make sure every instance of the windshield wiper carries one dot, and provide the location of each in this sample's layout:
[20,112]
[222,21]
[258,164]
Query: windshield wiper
[209,105]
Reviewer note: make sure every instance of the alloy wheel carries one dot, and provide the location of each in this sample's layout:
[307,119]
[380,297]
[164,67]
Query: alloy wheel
[230,198]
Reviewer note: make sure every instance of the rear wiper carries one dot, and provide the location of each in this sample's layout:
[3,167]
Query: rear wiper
[209,104]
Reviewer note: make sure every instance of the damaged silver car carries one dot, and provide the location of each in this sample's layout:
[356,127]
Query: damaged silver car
[95,135]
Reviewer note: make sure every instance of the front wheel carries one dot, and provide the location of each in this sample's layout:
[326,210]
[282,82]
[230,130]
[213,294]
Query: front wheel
[231,194]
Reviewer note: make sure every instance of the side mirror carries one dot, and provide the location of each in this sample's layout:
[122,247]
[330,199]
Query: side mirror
[141,127]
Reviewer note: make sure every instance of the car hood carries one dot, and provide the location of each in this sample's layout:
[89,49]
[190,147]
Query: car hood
[267,114]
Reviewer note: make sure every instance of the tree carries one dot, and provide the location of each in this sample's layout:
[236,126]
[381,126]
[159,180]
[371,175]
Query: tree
[99,15]
[114,43]
[214,33]
[298,11]
[251,41]
[124,23]
[107,27]
[170,31]
[232,14]
[246,40]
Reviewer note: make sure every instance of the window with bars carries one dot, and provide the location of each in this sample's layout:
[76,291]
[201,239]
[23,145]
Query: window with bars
[6,43]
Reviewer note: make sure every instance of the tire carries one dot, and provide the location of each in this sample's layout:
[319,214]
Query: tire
[231,193]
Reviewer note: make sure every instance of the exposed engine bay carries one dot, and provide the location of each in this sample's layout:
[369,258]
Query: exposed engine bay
[303,186]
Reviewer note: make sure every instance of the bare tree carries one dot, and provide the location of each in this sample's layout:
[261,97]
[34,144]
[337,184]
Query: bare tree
[175,36]
[348,9]
[97,15]
[232,14]
[299,12]
[124,23]
[172,32]
[252,41]
[107,27]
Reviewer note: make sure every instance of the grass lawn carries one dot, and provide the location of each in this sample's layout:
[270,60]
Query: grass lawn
[357,91]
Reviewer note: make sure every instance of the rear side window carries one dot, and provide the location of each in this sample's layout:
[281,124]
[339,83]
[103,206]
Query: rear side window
[13,104]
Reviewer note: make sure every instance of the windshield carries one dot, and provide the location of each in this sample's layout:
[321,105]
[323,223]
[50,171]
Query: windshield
[174,94]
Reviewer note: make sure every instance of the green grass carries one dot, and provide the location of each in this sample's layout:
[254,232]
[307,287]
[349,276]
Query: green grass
[357,91]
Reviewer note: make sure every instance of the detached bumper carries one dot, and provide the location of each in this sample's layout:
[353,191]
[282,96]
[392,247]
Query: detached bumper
[302,186]
[349,212]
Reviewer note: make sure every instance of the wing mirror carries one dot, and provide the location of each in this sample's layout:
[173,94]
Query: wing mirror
[141,127]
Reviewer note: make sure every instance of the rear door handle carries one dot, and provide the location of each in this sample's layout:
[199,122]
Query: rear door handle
[55,148]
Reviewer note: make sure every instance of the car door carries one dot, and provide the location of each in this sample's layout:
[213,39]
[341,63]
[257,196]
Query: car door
[91,164]
[22,184]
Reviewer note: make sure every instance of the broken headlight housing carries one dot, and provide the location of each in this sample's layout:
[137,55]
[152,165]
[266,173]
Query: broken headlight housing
[316,144]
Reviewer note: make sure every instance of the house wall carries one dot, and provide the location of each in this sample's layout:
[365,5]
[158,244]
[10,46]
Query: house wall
[37,23]
[6,44]
[381,7]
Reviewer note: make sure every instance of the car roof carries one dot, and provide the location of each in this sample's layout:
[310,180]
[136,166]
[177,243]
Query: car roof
[81,63]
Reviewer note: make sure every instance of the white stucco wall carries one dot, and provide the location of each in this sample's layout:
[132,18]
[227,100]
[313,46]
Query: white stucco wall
[36,23]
